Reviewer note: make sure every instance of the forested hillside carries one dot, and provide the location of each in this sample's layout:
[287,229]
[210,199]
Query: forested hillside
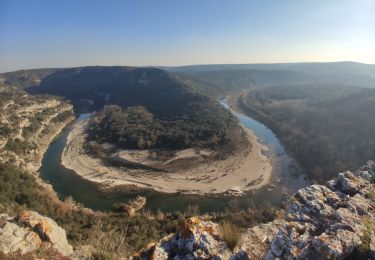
[155,89]
[174,115]
[25,78]
[233,77]
[326,128]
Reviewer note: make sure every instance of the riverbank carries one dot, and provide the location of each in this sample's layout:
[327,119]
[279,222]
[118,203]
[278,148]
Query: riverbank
[248,170]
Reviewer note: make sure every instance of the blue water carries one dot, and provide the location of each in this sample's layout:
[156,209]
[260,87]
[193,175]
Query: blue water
[285,166]
[262,132]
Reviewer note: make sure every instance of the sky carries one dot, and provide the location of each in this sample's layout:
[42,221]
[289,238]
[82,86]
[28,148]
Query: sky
[67,33]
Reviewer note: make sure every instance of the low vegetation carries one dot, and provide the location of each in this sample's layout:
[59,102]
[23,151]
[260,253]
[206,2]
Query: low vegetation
[111,234]
[231,234]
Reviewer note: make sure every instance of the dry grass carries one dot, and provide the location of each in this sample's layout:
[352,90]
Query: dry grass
[108,242]
[231,234]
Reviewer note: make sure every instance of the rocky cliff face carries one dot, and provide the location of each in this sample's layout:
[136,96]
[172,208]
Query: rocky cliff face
[27,126]
[331,221]
[30,231]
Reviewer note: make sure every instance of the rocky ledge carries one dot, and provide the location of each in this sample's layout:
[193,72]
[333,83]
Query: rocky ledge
[30,231]
[331,221]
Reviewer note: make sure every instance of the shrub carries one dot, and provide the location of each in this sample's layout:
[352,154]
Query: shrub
[230,233]
[108,242]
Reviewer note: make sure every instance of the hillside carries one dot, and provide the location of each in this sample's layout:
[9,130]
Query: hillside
[181,117]
[216,80]
[343,67]
[25,78]
[155,89]
[25,130]
[234,77]
[327,128]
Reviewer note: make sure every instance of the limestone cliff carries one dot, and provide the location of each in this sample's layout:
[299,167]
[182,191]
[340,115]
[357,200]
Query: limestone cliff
[331,221]
[28,124]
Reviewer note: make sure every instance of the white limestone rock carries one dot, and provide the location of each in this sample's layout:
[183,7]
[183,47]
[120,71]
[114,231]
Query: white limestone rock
[47,229]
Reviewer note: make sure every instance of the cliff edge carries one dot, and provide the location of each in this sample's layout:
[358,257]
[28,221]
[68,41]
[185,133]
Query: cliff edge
[331,221]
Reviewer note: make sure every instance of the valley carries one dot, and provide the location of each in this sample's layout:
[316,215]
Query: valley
[118,188]
[187,130]
[197,154]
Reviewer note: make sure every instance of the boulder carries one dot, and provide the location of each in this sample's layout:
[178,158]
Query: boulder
[255,241]
[30,231]
[367,171]
[47,229]
[197,239]
[14,238]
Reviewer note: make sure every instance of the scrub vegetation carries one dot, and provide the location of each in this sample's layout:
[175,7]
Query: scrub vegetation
[327,128]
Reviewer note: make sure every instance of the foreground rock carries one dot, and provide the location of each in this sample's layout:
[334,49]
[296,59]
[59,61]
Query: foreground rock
[196,239]
[30,231]
[331,221]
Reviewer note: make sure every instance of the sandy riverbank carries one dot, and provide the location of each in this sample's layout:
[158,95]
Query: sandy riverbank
[245,171]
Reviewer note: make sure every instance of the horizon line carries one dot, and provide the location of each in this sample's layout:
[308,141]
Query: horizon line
[189,65]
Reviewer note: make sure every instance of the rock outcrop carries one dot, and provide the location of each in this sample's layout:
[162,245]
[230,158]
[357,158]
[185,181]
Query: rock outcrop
[133,206]
[15,238]
[30,231]
[331,221]
[196,239]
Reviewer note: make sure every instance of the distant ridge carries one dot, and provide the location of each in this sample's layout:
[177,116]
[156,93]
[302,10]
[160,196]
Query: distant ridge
[311,67]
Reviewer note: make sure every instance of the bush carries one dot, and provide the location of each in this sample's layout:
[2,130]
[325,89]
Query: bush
[108,243]
[230,233]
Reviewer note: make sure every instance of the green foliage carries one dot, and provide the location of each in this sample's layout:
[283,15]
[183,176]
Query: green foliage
[18,146]
[5,130]
[19,189]
[61,117]
[137,128]
[35,124]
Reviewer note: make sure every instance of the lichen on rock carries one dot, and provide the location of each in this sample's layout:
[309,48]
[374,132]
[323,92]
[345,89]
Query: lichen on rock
[30,231]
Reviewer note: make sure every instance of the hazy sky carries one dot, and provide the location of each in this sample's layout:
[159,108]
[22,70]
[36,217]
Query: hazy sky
[49,33]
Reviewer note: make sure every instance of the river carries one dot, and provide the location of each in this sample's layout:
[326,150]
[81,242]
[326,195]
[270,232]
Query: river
[67,183]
